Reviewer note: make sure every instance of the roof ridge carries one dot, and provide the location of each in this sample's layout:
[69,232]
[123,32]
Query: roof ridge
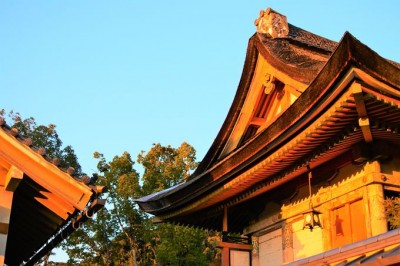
[275,26]
[310,39]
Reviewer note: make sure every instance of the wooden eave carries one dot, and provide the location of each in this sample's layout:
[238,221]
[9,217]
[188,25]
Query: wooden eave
[329,127]
[45,199]
[43,172]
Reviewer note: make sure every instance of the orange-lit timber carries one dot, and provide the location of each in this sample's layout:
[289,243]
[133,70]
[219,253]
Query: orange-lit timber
[303,103]
[38,201]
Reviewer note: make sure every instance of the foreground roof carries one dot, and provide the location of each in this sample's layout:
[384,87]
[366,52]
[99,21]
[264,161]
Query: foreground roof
[48,203]
[383,249]
[321,125]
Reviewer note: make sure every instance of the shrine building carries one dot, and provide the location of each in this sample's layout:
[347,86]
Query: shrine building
[40,203]
[309,150]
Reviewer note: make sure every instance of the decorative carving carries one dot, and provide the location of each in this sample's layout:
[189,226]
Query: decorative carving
[42,151]
[28,142]
[14,132]
[287,236]
[70,170]
[255,246]
[272,23]
[269,84]
[86,179]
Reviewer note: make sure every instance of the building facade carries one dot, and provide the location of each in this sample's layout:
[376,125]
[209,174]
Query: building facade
[309,150]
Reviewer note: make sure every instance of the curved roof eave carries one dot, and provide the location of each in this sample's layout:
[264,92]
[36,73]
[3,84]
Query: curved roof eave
[350,52]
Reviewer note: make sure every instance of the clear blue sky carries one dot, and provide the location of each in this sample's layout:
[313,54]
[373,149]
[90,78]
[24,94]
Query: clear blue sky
[117,76]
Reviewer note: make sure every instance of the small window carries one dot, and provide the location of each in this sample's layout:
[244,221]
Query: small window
[266,100]
[348,224]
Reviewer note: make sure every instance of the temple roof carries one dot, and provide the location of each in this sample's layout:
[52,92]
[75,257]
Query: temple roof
[48,203]
[301,54]
[320,126]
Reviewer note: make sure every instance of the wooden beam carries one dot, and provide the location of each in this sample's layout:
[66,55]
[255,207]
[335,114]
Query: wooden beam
[236,246]
[365,129]
[359,99]
[13,178]
[363,120]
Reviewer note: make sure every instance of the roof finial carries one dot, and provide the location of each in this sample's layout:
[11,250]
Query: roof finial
[272,23]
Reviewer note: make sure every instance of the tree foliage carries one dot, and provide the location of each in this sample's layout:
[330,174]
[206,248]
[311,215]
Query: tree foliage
[165,167]
[181,245]
[132,238]
[392,211]
[113,236]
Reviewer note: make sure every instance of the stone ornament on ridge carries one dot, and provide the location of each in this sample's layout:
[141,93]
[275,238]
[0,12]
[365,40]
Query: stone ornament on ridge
[272,23]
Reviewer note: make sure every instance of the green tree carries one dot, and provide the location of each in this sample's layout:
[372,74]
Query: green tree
[392,211]
[180,245]
[92,243]
[165,167]
[113,237]
[133,239]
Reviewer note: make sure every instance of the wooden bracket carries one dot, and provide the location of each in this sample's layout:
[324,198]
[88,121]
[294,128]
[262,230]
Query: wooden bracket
[363,120]
[13,178]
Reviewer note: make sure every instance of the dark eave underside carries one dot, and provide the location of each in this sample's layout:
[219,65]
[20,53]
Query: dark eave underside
[330,142]
[320,153]
[31,223]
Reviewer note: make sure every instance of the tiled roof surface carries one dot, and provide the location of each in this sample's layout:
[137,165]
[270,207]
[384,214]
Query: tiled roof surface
[383,249]
[310,39]
[42,152]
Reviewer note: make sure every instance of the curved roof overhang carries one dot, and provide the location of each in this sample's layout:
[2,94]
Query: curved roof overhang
[329,126]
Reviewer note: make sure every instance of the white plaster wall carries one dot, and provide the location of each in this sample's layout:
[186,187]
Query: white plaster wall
[305,242]
[270,249]
[239,258]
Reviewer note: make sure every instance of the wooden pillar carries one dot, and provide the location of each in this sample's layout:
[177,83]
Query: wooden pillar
[287,242]
[5,211]
[11,182]
[225,249]
[375,199]
[376,209]
[225,220]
